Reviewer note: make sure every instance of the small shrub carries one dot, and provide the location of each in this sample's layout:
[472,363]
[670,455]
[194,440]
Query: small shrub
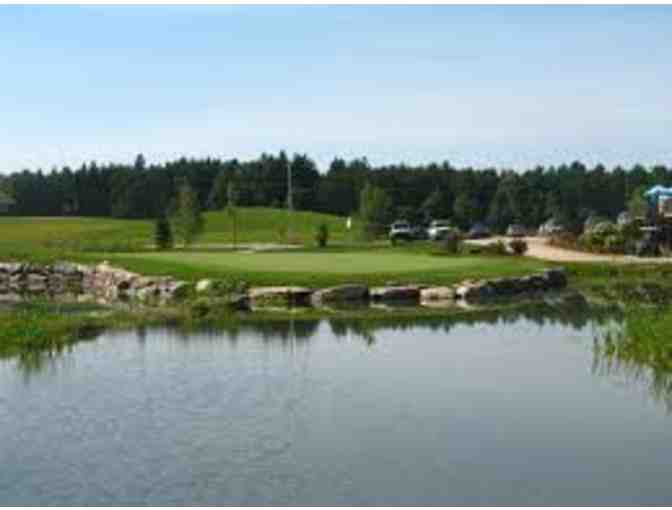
[322,235]
[614,243]
[496,248]
[518,246]
[450,243]
[564,240]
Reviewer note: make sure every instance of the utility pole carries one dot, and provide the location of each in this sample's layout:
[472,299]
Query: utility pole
[290,201]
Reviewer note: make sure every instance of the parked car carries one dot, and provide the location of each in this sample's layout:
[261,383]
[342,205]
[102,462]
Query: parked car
[551,227]
[438,228]
[400,231]
[419,233]
[516,230]
[479,231]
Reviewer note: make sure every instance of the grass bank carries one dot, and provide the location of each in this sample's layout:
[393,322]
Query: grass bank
[44,239]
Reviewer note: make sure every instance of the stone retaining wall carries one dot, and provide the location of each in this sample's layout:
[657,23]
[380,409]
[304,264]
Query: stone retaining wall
[101,283]
[106,284]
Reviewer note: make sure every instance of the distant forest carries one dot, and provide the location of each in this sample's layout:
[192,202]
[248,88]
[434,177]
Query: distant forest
[569,193]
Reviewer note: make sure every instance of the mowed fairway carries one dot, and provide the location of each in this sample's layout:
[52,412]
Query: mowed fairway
[315,268]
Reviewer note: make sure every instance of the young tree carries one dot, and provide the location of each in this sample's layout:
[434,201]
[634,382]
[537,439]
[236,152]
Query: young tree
[231,201]
[187,219]
[637,205]
[163,234]
[374,210]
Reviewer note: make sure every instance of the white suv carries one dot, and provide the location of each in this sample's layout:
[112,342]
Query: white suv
[438,228]
[400,231]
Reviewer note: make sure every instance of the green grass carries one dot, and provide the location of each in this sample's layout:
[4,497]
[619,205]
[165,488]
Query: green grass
[318,269]
[47,238]
[127,243]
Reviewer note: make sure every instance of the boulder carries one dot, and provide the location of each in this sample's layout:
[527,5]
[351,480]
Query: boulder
[205,285]
[284,295]
[11,268]
[437,294]
[396,293]
[341,293]
[556,278]
[147,294]
[238,302]
[66,269]
[475,291]
[179,289]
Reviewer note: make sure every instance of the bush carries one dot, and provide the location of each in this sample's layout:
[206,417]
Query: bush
[518,246]
[322,235]
[496,248]
[604,237]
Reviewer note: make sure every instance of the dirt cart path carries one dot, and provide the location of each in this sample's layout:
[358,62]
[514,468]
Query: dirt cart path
[538,248]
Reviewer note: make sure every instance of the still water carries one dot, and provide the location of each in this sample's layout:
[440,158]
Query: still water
[511,409]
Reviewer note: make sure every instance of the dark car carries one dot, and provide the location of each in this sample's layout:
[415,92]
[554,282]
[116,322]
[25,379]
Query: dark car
[516,230]
[479,231]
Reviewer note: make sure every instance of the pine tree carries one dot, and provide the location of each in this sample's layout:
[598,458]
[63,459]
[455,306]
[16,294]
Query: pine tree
[163,233]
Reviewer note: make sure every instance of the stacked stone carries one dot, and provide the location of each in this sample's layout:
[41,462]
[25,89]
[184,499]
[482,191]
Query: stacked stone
[25,279]
[552,279]
[102,283]
[110,284]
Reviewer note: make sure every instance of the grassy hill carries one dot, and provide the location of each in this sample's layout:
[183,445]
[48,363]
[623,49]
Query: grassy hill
[45,237]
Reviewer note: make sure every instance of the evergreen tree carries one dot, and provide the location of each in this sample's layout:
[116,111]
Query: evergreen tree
[163,233]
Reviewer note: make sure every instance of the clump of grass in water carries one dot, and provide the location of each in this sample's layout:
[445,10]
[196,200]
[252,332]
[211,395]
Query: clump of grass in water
[641,348]
[37,328]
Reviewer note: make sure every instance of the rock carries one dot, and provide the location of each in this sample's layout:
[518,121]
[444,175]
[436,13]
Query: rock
[475,291]
[11,267]
[340,294]
[437,294]
[205,285]
[556,278]
[147,294]
[397,293]
[238,302]
[36,283]
[285,295]
[66,269]
[504,286]
[179,290]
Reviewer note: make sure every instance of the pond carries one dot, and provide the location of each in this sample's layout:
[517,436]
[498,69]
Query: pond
[514,408]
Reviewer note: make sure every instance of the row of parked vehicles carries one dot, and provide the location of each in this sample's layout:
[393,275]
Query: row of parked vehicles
[440,229]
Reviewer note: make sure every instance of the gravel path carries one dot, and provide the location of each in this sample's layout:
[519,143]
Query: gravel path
[538,248]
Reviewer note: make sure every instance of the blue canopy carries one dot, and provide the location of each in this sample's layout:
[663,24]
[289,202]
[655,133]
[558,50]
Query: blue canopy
[658,191]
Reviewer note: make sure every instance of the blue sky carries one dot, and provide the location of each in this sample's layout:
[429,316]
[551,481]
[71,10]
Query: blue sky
[475,85]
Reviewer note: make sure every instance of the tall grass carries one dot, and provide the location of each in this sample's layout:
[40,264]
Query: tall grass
[641,348]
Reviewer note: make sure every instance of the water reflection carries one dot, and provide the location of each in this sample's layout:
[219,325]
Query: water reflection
[572,311]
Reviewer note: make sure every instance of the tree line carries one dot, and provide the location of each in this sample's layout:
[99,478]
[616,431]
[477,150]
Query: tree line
[569,193]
